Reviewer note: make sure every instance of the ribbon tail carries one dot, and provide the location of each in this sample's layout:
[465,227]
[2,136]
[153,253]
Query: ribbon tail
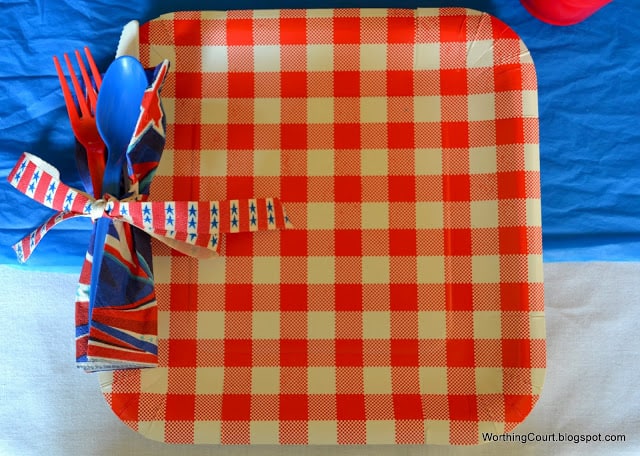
[25,247]
[257,214]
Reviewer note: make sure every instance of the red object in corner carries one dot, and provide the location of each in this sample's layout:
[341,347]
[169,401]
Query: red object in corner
[563,12]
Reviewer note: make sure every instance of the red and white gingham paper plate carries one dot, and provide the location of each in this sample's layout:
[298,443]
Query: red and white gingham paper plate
[407,304]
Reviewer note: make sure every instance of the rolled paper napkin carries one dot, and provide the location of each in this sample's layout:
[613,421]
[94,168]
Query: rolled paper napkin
[119,329]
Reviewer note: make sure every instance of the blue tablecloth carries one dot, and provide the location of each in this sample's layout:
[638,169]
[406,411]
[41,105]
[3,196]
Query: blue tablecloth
[589,107]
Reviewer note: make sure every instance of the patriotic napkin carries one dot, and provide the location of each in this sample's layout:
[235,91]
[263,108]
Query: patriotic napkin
[119,329]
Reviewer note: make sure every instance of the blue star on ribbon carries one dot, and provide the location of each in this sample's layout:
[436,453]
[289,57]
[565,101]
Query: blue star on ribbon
[68,201]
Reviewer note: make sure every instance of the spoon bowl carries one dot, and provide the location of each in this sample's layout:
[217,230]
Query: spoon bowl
[117,113]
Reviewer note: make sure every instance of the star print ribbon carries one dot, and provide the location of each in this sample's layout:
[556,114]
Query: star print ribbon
[192,227]
[118,328]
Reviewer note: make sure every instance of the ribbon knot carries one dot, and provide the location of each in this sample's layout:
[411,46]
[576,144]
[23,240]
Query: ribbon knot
[97,209]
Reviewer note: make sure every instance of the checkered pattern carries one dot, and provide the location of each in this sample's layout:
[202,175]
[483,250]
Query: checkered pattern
[407,304]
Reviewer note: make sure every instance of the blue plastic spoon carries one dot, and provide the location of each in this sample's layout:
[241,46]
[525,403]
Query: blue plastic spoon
[117,113]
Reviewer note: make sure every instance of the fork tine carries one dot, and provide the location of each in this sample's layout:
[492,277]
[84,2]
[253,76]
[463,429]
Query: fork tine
[72,110]
[82,103]
[94,69]
[90,91]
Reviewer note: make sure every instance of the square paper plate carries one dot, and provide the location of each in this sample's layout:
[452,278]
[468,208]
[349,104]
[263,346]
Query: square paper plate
[407,304]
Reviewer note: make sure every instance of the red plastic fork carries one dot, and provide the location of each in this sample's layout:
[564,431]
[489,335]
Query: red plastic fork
[83,122]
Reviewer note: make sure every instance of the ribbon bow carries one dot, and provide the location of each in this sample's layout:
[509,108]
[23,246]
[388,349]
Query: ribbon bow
[118,328]
[191,227]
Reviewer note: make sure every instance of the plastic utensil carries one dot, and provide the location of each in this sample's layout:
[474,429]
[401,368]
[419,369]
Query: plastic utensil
[117,113]
[84,122]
